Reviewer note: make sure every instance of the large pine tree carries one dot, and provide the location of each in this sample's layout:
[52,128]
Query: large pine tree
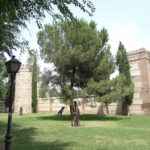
[100,84]
[125,85]
[76,49]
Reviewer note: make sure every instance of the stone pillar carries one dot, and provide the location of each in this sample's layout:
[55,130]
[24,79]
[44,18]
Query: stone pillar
[140,72]
[23,92]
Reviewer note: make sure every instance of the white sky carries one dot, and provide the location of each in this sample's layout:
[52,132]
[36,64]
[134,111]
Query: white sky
[126,20]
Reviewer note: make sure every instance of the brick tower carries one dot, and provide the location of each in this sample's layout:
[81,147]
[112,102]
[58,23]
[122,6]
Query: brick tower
[140,71]
[23,93]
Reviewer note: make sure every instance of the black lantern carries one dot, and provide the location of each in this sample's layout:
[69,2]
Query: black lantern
[13,65]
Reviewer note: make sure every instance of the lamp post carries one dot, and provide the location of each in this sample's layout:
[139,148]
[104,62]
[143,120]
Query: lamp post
[12,67]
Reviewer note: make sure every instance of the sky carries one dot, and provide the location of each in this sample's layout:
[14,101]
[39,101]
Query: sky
[126,20]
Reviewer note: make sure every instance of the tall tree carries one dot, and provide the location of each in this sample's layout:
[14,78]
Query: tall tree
[34,86]
[100,84]
[3,77]
[33,61]
[74,48]
[15,13]
[125,85]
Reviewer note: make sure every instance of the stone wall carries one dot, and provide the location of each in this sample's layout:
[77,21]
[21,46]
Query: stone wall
[53,104]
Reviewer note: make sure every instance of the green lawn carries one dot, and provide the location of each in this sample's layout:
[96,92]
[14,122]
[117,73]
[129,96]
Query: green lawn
[46,132]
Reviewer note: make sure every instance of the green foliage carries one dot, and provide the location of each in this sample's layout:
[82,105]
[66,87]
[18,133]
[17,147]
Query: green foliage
[32,60]
[104,90]
[122,62]
[124,91]
[15,13]
[76,49]
[3,77]
[81,93]
[34,86]
[47,90]
[53,92]
[100,85]
[42,91]
[105,65]
[125,87]
[67,93]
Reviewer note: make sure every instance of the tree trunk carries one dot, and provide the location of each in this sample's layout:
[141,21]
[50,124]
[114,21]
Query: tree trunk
[107,108]
[75,115]
[74,110]
[83,104]
[71,115]
[50,104]
[1,146]
[101,110]
[125,108]
[119,108]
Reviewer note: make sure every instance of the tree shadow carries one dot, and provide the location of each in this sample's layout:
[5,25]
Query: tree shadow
[2,130]
[83,117]
[24,138]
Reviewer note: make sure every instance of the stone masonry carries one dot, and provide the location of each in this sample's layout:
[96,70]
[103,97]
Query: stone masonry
[23,92]
[140,72]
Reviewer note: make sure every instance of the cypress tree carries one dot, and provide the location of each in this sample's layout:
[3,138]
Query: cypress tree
[123,63]
[126,91]
[34,85]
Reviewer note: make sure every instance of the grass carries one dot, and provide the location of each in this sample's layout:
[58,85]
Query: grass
[47,132]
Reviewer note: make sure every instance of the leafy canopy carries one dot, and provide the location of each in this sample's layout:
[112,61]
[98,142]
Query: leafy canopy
[32,60]
[15,13]
[125,85]
[3,77]
[75,49]
[100,84]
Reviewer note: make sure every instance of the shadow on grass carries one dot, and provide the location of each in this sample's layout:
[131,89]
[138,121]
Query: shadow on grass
[24,139]
[2,125]
[83,117]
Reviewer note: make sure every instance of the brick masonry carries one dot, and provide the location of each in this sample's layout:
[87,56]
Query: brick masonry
[140,72]
[23,92]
